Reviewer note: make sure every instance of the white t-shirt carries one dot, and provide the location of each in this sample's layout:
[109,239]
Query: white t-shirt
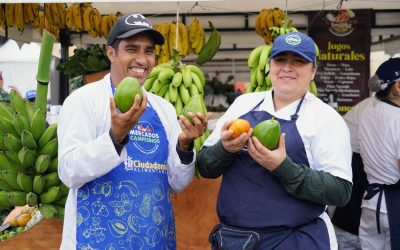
[87,152]
[379,140]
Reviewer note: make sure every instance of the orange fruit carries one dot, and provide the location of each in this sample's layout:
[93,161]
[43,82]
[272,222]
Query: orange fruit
[238,127]
[23,219]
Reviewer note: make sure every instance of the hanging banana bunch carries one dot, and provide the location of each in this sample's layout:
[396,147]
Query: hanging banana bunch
[197,36]
[28,149]
[163,51]
[266,19]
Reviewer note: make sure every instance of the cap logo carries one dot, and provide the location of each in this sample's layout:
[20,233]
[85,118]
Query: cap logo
[293,39]
[137,19]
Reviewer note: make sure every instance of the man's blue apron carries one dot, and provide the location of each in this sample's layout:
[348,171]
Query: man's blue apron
[130,207]
[251,197]
[392,197]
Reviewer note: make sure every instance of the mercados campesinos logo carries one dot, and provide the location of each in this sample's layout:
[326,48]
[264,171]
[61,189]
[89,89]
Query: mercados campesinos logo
[144,138]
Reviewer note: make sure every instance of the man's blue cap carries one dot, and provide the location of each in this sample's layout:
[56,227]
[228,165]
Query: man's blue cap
[30,94]
[295,42]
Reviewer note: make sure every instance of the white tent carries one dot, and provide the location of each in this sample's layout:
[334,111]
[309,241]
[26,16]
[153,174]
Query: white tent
[19,65]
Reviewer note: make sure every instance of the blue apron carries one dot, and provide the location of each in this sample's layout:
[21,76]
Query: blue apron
[130,207]
[392,197]
[251,197]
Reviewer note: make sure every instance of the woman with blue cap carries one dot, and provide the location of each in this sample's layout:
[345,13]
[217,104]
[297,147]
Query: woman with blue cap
[276,199]
[379,141]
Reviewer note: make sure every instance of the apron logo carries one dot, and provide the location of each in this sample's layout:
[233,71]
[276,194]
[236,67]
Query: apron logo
[143,137]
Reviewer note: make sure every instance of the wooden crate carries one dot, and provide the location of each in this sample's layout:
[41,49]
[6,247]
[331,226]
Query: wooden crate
[94,76]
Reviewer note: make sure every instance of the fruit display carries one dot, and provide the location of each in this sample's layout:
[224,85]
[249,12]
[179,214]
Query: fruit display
[28,148]
[268,133]
[185,41]
[238,127]
[29,217]
[126,92]
[55,16]
[266,19]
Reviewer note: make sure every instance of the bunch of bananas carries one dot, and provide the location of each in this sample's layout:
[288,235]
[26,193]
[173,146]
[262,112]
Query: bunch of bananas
[259,68]
[173,40]
[176,83]
[266,19]
[19,14]
[258,62]
[197,36]
[82,16]
[28,159]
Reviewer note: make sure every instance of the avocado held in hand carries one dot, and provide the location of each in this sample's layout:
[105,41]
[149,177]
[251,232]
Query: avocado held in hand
[196,104]
[268,133]
[125,93]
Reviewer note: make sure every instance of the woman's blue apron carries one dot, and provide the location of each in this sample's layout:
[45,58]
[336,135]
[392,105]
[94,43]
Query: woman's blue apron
[130,207]
[251,197]
[392,197]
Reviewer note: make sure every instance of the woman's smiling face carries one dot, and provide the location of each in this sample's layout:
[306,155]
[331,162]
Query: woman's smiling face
[291,75]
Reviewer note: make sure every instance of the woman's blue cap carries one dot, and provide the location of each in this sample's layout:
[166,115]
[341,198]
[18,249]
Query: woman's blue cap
[295,42]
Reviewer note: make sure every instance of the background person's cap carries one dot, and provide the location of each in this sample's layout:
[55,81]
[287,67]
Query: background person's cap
[30,94]
[295,42]
[387,72]
[132,24]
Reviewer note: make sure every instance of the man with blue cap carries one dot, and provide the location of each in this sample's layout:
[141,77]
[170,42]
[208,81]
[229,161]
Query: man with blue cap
[276,199]
[122,167]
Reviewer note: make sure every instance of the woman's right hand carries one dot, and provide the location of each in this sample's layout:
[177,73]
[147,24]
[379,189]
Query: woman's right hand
[233,145]
[122,123]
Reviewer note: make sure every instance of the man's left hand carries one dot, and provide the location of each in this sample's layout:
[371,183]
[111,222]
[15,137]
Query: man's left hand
[191,131]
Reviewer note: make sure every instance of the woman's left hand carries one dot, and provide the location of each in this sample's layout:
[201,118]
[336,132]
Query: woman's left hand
[191,131]
[269,159]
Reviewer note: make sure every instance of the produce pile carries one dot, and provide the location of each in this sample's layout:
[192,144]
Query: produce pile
[28,148]
[77,16]
[188,40]
[22,222]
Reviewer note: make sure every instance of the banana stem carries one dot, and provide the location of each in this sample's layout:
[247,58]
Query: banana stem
[43,75]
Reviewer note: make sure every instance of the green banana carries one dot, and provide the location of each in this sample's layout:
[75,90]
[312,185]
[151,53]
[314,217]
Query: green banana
[157,85]
[7,126]
[17,102]
[254,56]
[49,134]
[184,94]
[4,185]
[148,84]
[177,79]
[173,93]
[38,184]
[166,75]
[4,201]
[161,92]
[17,198]
[25,182]
[193,90]
[198,72]
[4,162]
[50,195]
[178,105]
[42,163]
[14,161]
[186,76]
[20,123]
[61,201]
[11,178]
[6,111]
[260,76]
[64,190]
[27,157]
[29,109]
[53,167]
[12,143]
[50,148]
[38,124]
[27,140]
[264,57]
[196,80]
[166,96]
[211,47]
[51,180]
[48,210]
[2,147]
[157,69]
[31,199]
[313,88]
[60,211]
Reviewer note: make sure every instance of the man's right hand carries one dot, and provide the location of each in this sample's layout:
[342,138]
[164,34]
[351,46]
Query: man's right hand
[122,123]
[233,145]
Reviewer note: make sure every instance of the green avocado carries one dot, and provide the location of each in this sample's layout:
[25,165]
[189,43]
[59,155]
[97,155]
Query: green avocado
[125,93]
[196,104]
[268,133]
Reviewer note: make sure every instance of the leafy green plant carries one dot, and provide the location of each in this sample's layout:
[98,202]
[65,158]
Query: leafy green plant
[85,61]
